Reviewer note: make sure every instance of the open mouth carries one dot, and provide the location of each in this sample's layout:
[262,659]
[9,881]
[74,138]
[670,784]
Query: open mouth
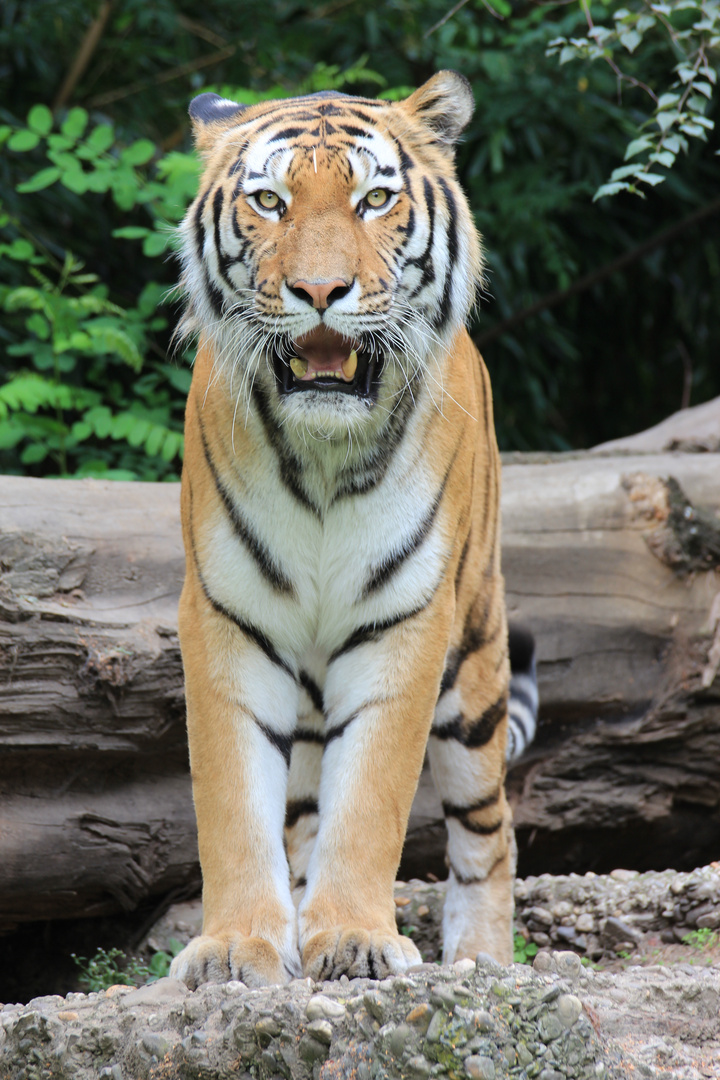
[325,361]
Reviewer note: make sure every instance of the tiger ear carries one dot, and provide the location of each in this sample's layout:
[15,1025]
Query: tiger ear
[445,104]
[208,110]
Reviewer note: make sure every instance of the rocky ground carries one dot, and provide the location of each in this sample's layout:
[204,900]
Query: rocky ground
[626,984]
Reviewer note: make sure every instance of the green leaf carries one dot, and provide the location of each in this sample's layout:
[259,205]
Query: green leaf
[666,100]
[666,119]
[694,130]
[637,146]
[651,178]
[40,119]
[155,244]
[630,39]
[610,189]
[663,157]
[23,140]
[154,440]
[74,123]
[34,453]
[626,170]
[132,232]
[40,180]
[22,250]
[101,138]
[74,180]
[138,153]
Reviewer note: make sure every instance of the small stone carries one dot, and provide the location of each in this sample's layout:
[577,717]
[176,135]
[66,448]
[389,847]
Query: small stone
[480,1068]
[488,964]
[376,1005]
[615,930]
[111,1072]
[624,875]
[435,1026]
[585,923]
[163,990]
[311,1050]
[568,1009]
[117,989]
[540,915]
[402,901]
[422,911]
[524,1056]
[544,963]
[551,1074]
[267,1029]
[235,987]
[420,1017]
[320,1006]
[562,909]
[568,964]
[155,1044]
[483,1020]
[321,1030]
[464,966]
[68,1014]
[398,1038]
[550,1027]
[541,939]
[418,1066]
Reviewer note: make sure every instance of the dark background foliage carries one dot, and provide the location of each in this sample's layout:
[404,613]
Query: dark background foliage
[580,350]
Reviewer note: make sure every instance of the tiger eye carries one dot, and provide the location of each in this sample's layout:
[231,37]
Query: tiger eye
[377,197]
[268,199]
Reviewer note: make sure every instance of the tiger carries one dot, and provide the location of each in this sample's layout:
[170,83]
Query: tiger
[343,608]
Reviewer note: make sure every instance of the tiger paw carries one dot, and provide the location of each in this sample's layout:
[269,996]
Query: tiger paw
[356,952]
[251,960]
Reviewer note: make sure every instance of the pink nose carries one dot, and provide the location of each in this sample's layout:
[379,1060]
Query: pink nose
[319,294]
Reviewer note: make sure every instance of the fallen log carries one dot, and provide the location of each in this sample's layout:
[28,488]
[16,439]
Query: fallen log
[600,561]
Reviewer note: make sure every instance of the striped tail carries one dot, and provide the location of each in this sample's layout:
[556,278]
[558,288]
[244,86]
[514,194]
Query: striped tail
[523,701]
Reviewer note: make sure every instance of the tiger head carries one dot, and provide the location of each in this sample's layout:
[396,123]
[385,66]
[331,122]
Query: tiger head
[330,256]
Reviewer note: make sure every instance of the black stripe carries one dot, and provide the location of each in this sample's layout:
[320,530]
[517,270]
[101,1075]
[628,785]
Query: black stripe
[223,260]
[297,808]
[461,561]
[359,481]
[424,261]
[452,245]
[518,722]
[392,562]
[198,228]
[303,734]
[339,729]
[290,467]
[518,694]
[288,133]
[313,691]
[373,631]
[283,743]
[253,632]
[478,830]
[476,732]
[451,810]
[521,644]
[461,814]
[267,566]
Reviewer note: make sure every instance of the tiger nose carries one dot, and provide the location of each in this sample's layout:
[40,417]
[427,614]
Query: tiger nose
[321,294]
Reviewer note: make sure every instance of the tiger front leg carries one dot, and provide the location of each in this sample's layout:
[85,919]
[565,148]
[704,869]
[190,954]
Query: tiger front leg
[241,711]
[379,697]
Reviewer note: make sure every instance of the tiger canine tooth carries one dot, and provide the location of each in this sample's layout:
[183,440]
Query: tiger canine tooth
[350,365]
[298,367]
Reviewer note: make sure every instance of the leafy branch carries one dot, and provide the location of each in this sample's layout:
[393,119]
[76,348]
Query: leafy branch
[692,30]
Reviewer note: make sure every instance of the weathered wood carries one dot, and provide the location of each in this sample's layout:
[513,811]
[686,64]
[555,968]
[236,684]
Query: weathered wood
[95,806]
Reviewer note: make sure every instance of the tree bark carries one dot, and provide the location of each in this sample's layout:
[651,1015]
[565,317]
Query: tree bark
[601,561]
